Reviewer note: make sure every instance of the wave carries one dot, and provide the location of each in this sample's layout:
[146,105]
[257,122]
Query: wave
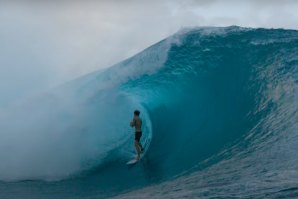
[208,97]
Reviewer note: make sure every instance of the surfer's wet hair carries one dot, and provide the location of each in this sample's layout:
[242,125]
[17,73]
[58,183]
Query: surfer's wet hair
[137,112]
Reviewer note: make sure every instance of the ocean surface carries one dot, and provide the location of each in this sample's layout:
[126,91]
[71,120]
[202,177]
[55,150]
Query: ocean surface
[219,104]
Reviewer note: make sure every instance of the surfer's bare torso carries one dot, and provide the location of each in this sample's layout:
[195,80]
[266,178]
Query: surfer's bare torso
[137,123]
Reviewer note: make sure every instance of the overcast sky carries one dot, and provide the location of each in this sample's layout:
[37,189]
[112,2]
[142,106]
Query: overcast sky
[45,43]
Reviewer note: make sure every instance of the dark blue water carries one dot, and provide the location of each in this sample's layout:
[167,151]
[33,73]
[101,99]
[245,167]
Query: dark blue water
[221,106]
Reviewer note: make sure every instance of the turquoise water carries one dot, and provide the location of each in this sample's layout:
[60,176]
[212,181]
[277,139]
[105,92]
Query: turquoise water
[220,104]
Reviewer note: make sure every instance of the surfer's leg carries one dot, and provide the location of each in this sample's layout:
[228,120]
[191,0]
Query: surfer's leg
[141,147]
[138,149]
[139,141]
[138,145]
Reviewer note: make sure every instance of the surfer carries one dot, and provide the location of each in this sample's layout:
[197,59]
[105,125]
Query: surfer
[137,123]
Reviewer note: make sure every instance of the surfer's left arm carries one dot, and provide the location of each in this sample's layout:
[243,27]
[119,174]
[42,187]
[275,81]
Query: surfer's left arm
[133,122]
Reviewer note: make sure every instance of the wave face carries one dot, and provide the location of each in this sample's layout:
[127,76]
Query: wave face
[220,104]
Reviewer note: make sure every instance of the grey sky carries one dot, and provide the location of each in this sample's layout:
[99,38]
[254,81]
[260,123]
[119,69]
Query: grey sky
[46,43]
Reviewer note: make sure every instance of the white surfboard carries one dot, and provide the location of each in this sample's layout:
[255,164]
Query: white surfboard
[145,146]
[133,161]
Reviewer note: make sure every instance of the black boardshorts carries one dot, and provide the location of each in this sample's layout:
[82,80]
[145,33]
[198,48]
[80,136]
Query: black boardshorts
[138,136]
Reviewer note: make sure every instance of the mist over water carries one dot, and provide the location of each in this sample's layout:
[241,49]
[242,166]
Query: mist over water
[68,129]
